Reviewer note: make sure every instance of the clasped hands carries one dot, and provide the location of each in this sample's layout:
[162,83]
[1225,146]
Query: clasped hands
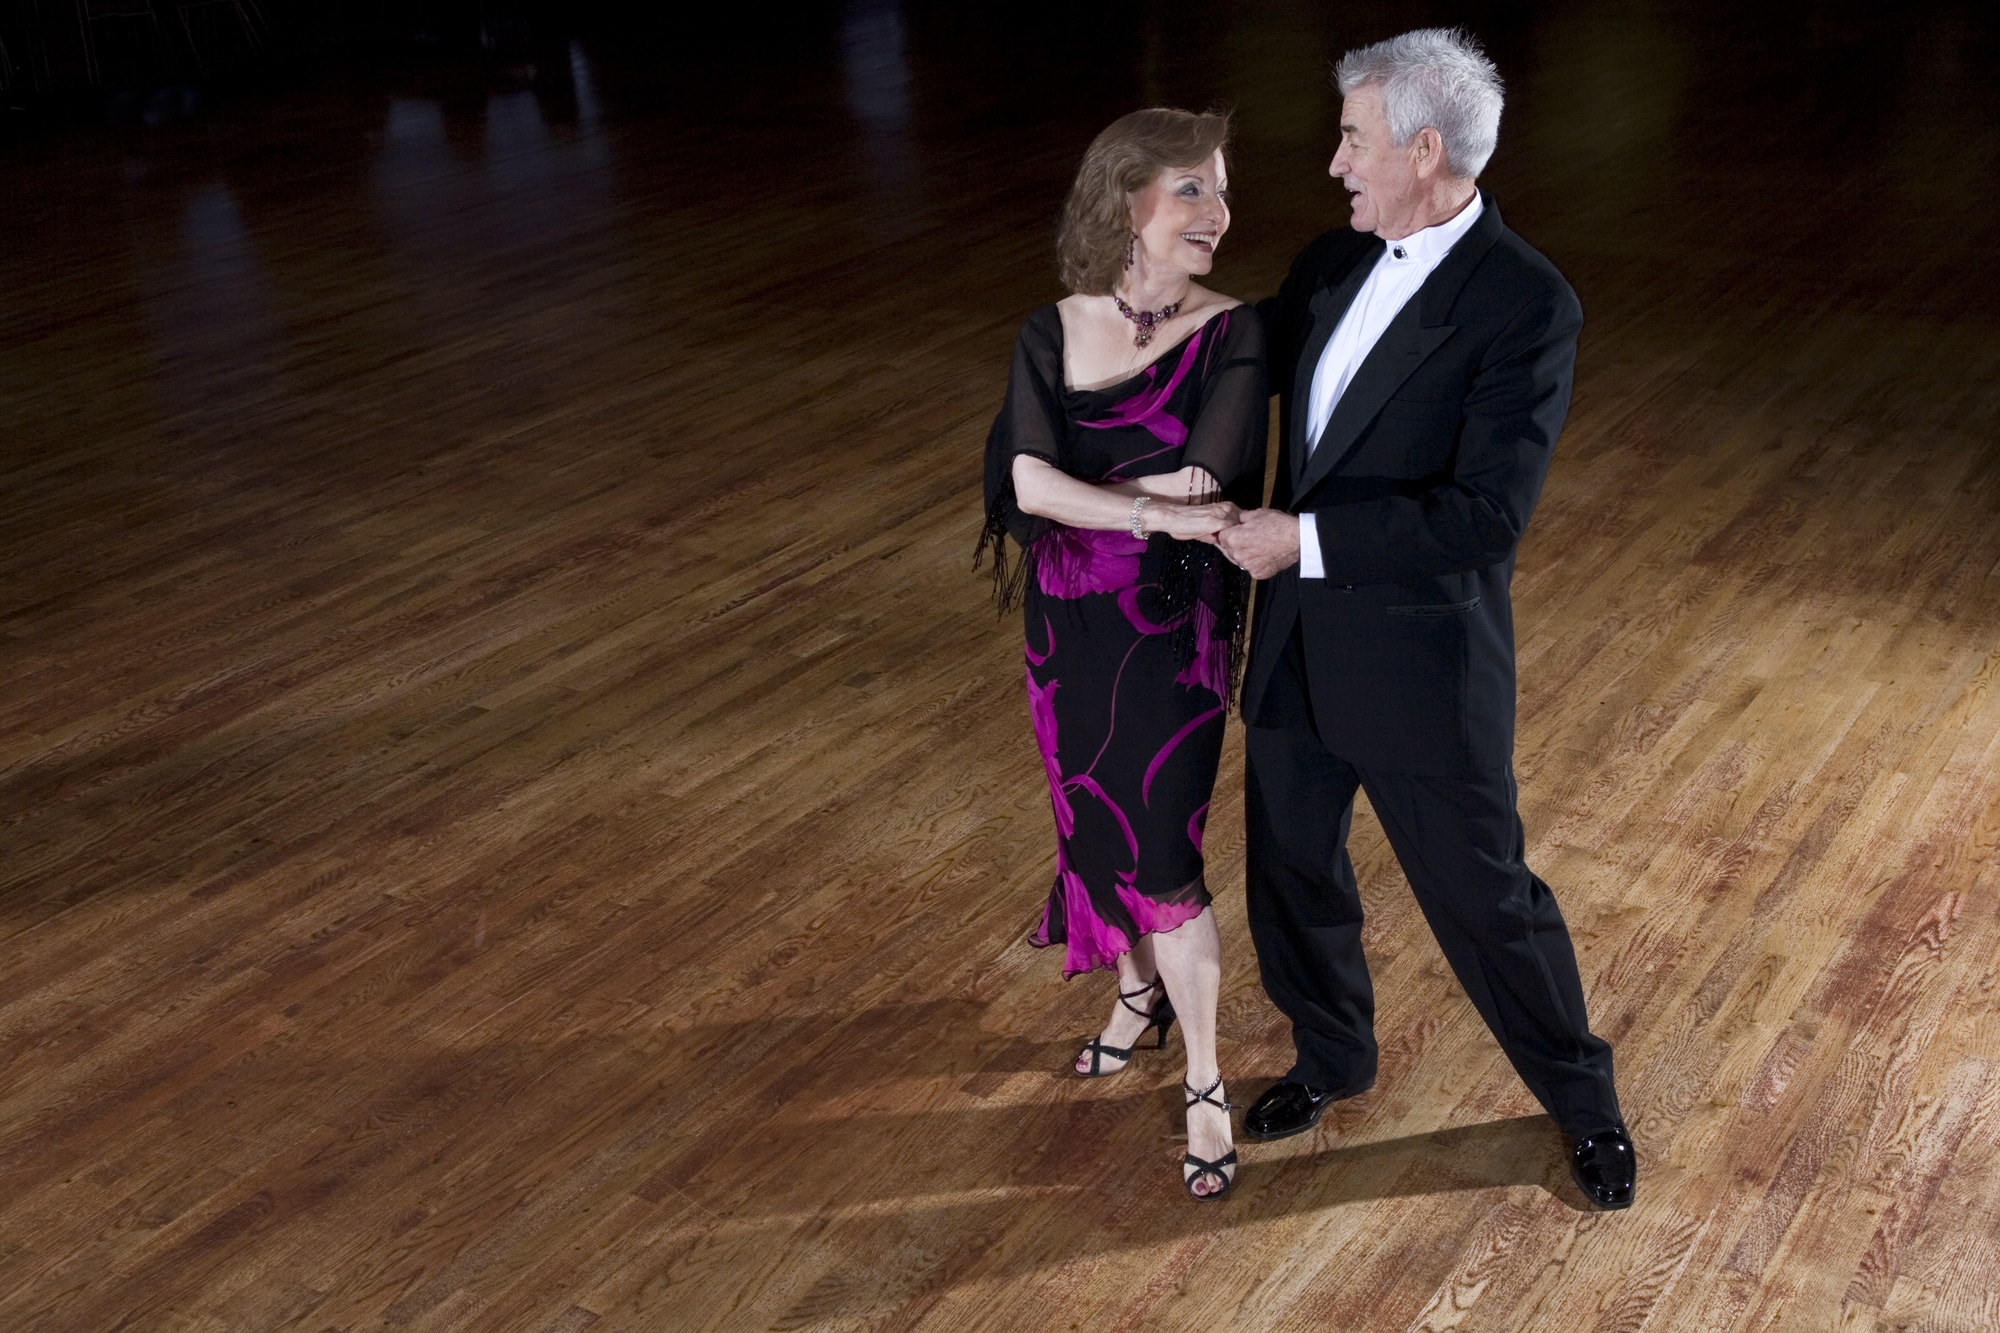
[1259,541]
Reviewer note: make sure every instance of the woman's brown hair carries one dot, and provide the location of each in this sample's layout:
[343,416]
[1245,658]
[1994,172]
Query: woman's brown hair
[1124,159]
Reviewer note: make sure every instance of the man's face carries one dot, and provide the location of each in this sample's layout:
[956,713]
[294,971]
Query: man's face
[1380,176]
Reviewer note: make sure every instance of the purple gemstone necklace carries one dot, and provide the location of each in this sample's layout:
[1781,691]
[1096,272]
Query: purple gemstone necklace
[1147,320]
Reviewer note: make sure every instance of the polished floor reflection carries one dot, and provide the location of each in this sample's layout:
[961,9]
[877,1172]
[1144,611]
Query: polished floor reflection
[515,815]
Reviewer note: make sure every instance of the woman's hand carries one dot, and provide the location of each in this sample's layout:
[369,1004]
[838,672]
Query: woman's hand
[1189,523]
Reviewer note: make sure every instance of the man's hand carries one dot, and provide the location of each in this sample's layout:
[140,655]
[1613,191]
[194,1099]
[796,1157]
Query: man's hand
[1263,542]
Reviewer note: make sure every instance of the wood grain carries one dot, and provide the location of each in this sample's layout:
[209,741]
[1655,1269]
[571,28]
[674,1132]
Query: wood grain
[515,815]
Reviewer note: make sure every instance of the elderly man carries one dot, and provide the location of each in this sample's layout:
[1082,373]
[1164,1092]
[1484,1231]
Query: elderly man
[1424,359]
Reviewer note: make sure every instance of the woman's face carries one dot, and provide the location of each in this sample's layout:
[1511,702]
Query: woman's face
[1181,215]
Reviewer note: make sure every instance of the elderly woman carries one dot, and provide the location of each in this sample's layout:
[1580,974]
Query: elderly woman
[1132,431]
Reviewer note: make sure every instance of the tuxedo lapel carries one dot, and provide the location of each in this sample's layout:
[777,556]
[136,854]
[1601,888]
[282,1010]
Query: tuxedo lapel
[1400,350]
[1417,330]
[1327,305]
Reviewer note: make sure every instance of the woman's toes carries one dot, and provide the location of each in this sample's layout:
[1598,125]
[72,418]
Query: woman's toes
[1205,1183]
[1106,1064]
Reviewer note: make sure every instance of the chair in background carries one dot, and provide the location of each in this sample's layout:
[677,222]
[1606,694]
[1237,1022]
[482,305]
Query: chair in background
[144,37]
[228,29]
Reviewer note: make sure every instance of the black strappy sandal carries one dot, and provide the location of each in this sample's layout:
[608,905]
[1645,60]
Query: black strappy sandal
[1160,1016]
[1215,1168]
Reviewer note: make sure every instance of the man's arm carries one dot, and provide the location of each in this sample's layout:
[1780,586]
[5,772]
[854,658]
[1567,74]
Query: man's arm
[1267,540]
[1286,316]
[1280,316]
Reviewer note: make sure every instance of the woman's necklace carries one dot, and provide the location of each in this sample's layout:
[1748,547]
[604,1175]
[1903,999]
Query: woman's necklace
[1147,320]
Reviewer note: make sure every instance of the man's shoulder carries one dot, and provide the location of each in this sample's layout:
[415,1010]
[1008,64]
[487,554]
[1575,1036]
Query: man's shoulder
[1514,264]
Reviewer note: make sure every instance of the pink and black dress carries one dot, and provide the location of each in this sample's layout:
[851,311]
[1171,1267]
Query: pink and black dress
[1132,646]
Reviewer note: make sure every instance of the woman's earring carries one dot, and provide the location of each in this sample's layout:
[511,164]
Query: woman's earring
[1131,244]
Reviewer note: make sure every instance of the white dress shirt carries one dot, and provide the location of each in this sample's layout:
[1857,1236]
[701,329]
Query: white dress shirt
[1398,273]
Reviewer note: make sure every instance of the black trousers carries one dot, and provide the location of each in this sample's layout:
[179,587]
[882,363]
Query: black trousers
[1460,843]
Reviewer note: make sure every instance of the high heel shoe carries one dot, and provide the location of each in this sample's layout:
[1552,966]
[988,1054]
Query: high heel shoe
[1219,1168]
[1160,1016]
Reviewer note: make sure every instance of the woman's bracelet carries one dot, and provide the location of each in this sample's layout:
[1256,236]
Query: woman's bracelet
[1138,507]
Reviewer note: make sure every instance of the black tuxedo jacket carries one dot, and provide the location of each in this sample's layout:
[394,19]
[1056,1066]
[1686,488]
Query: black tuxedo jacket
[1420,486]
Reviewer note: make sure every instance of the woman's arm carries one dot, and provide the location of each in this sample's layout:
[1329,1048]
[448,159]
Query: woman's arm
[1191,485]
[1046,490]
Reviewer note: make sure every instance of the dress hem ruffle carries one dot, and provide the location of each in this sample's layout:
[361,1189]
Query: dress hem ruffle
[1092,944]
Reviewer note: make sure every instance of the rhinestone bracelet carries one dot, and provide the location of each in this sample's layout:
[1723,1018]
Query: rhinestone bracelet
[1139,505]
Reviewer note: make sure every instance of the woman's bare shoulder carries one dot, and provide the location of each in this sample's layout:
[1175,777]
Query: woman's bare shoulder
[1202,301]
[1079,311]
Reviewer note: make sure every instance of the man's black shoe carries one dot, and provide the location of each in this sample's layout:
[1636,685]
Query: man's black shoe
[1287,1109]
[1605,1168]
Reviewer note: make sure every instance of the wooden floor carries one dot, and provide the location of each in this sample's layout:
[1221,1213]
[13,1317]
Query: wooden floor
[514,814]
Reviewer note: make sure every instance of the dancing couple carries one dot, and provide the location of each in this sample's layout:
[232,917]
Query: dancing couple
[1423,359]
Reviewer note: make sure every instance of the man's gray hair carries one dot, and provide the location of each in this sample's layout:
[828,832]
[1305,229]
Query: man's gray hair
[1437,77]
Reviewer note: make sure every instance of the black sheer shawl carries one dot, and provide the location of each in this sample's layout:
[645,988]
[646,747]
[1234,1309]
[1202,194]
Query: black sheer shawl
[1226,438]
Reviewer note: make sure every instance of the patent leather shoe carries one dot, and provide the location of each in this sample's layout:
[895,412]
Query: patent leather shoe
[1605,1168]
[1288,1108]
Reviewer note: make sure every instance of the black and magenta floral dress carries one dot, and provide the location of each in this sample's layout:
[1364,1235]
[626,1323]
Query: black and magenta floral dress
[1131,646]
